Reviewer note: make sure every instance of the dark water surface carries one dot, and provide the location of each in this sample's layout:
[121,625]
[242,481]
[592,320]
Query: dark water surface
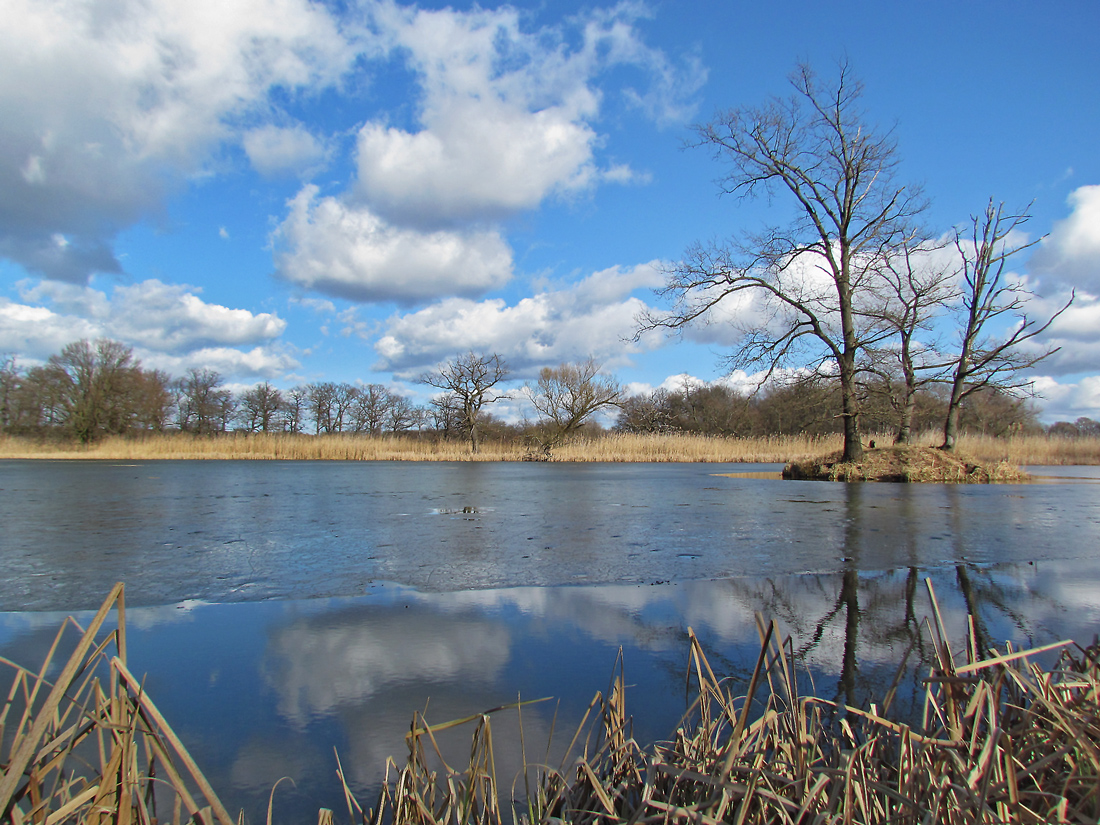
[285,609]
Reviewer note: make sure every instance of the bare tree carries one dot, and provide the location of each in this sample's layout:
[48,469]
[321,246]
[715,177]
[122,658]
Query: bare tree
[989,296]
[294,409]
[322,400]
[152,399]
[400,414]
[38,400]
[646,413]
[260,406]
[97,383]
[369,410]
[445,411]
[10,378]
[471,379]
[914,288]
[568,395]
[836,172]
[344,396]
[201,403]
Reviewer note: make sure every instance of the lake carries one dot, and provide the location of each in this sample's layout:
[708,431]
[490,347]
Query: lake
[284,609]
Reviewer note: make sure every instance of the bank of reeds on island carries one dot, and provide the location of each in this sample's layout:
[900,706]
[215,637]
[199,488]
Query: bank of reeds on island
[1002,740]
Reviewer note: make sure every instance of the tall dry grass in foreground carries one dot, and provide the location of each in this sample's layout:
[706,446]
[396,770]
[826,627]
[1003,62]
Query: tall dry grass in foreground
[90,746]
[1002,741]
[619,447]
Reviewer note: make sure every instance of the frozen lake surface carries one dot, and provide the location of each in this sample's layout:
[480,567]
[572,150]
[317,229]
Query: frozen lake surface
[284,609]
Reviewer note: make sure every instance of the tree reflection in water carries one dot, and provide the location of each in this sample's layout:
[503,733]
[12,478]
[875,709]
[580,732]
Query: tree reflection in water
[866,629]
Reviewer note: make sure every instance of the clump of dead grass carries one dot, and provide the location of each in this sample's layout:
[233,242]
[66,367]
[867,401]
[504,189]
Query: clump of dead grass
[90,746]
[903,463]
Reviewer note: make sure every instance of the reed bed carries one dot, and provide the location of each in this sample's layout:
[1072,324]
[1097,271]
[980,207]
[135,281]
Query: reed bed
[270,446]
[612,447]
[1002,740]
[1021,450]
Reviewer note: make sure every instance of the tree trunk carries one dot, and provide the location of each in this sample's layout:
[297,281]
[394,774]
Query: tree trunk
[951,429]
[853,445]
[905,425]
[951,424]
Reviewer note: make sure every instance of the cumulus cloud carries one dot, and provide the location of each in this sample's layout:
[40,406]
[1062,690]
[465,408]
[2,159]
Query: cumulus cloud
[268,362]
[158,316]
[105,106]
[36,332]
[481,160]
[590,318]
[1069,400]
[503,122]
[276,150]
[168,326]
[1072,250]
[1074,334]
[330,246]
[506,114]
[741,382]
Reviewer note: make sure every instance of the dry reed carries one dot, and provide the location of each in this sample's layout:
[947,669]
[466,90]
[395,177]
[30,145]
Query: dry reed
[1002,740]
[348,447]
[618,447]
[91,747]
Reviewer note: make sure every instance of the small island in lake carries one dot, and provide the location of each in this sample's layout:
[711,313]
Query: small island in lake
[904,463]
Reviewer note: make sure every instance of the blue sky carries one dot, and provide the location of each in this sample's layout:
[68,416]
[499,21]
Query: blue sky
[356,191]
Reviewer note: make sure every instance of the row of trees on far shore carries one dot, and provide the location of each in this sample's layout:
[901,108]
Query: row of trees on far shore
[93,389]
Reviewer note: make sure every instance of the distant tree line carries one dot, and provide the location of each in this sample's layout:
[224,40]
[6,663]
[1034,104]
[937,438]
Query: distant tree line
[814,407]
[96,388]
[93,389]
[1081,428]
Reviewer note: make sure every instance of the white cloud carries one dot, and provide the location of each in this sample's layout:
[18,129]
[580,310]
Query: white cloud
[170,327]
[1070,400]
[267,362]
[480,160]
[591,318]
[505,114]
[159,316]
[1072,250]
[1075,333]
[503,122]
[741,382]
[36,332]
[326,245]
[276,150]
[106,105]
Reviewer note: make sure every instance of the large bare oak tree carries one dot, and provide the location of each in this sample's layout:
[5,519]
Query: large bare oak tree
[815,153]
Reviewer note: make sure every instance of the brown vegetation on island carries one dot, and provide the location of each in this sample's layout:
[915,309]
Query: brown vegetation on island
[905,463]
[1002,740]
